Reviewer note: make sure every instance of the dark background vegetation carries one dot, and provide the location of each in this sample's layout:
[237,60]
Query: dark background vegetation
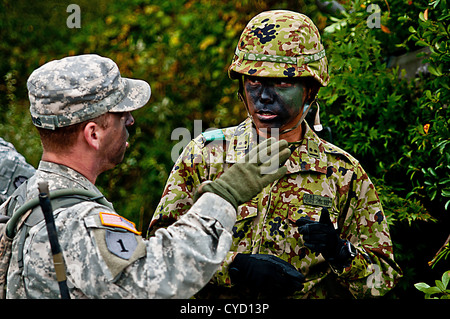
[385,104]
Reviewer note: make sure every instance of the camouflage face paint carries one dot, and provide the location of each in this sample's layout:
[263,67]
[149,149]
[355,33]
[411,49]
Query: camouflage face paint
[274,102]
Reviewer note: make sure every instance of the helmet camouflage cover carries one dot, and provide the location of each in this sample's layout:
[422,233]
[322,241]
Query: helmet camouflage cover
[280,43]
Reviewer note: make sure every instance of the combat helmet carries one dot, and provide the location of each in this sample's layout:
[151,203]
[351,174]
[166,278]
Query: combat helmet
[280,43]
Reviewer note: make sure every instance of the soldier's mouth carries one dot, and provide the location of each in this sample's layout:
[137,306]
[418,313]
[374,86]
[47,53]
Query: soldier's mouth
[265,115]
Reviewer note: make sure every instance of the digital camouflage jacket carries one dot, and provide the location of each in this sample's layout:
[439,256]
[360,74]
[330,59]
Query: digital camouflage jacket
[320,177]
[104,254]
[14,169]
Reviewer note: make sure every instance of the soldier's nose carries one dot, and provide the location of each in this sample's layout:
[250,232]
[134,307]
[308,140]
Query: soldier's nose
[266,95]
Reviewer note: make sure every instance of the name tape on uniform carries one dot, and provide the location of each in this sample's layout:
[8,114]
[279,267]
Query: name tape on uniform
[317,200]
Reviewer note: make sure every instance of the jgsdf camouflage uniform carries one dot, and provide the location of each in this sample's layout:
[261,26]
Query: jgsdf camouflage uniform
[321,177]
[14,169]
[105,255]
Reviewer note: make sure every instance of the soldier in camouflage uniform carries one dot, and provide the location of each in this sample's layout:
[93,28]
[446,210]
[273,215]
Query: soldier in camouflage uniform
[105,257]
[14,169]
[324,216]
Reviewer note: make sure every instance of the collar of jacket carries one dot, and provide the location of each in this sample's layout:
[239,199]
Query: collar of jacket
[309,155]
[65,174]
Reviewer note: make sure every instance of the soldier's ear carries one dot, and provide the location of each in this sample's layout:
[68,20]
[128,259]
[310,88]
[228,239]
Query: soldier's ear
[92,135]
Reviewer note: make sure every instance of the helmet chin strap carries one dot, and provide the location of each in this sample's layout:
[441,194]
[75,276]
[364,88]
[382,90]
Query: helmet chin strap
[317,126]
[305,111]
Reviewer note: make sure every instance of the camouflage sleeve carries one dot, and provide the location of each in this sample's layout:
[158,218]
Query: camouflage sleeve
[14,169]
[187,174]
[174,263]
[222,276]
[373,272]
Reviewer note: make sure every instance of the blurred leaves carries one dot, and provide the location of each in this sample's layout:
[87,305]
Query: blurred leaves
[183,49]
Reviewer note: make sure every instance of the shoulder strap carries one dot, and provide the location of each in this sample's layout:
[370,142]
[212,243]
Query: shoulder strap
[66,198]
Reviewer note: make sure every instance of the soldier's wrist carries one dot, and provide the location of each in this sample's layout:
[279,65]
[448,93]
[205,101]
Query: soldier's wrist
[216,188]
[200,190]
[345,253]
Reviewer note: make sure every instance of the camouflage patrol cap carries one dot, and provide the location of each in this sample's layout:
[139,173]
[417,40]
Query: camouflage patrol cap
[280,43]
[79,88]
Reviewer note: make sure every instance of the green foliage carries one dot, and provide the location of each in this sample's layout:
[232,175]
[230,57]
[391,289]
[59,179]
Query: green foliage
[440,288]
[379,114]
[16,129]
[397,127]
[429,156]
[182,48]
[442,254]
[398,210]
[369,106]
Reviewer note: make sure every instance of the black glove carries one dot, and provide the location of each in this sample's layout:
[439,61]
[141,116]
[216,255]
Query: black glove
[321,237]
[265,275]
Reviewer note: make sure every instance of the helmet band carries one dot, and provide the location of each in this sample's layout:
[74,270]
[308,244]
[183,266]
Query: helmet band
[299,60]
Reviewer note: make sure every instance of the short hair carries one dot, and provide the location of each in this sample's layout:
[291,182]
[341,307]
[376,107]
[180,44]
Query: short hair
[63,138]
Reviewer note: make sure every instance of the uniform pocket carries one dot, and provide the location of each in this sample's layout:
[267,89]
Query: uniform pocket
[303,208]
[298,211]
[244,221]
[247,210]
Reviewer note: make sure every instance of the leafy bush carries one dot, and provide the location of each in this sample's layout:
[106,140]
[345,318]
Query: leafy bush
[379,115]
[429,156]
[440,288]
[397,127]
[368,106]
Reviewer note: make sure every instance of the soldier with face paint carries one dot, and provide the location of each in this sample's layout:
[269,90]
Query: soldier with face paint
[323,219]
[82,106]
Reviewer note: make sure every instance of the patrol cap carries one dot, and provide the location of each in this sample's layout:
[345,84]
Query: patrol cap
[79,88]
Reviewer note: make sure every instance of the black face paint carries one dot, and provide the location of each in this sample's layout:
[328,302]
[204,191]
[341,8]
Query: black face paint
[273,102]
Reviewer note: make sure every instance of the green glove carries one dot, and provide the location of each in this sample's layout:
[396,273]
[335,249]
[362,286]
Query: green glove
[245,179]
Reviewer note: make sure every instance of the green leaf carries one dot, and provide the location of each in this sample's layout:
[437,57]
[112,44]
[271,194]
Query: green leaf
[432,69]
[432,172]
[433,195]
[426,288]
[439,285]
[422,286]
[433,290]
[422,43]
[421,17]
[446,278]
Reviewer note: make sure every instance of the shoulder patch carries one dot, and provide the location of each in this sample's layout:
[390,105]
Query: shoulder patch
[113,220]
[213,135]
[121,244]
